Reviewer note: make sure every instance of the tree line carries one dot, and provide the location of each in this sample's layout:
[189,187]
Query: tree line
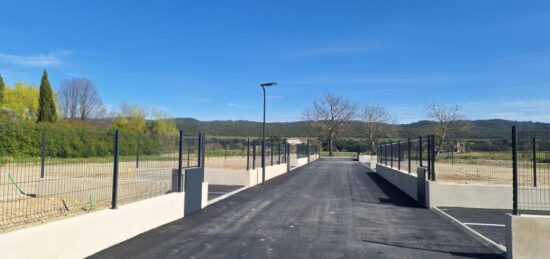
[75,121]
[331,116]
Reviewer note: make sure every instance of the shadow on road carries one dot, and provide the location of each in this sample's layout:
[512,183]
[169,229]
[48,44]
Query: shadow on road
[394,195]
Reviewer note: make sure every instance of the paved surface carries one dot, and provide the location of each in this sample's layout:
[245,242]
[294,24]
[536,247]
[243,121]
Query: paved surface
[328,209]
[215,191]
[489,222]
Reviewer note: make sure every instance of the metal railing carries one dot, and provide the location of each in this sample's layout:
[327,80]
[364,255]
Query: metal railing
[111,169]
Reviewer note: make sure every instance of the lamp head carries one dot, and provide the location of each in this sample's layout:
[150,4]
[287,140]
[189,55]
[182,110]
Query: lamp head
[271,84]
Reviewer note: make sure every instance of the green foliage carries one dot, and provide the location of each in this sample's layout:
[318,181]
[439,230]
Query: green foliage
[19,139]
[47,111]
[21,102]
[130,118]
[2,91]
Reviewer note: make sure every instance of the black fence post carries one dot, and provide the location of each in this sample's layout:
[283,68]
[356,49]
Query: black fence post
[434,175]
[138,150]
[429,149]
[398,155]
[115,172]
[279,152]
[203,163]
[534,162]
[43,155]
[409,153]
[391,155]
[386,154]
[247,154]
[420,150]
[307,151]
[189,154]
[199,151]
[253,154]
[271,149]
[180,161]
[514,171]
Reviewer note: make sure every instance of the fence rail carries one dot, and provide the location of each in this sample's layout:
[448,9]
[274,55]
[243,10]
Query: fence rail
[116,168]
[521,161]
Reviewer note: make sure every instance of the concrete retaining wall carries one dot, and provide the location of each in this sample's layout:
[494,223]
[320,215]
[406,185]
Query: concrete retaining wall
[402,180]
[255,175]
[527,236]
[468,195]
[227,176]
[368,160]
[439,194]
[84,235]
[297,162]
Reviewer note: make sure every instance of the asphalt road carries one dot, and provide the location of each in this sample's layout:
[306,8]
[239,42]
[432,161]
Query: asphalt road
[328,209]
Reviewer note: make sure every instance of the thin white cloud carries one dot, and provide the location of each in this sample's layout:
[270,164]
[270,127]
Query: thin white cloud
[55,58]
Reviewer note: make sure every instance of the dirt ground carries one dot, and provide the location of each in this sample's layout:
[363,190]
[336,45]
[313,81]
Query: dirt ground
[69,189]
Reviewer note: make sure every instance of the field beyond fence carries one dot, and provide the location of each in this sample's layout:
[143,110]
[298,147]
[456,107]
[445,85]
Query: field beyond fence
[56,179]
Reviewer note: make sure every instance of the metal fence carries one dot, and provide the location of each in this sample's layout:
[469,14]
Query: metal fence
[485,161]
[531,172]
[114,168]
[408,155]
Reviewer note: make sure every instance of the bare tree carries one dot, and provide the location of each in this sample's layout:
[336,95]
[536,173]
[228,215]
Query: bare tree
[332,115]
[448,122]
[378,123]
[79,98]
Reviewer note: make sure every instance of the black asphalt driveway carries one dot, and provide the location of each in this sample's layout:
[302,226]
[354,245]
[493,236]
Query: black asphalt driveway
[328,209]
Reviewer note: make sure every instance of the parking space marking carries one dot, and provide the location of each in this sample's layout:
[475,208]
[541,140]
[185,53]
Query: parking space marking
[485,224]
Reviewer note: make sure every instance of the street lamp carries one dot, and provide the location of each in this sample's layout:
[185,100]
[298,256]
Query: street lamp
[264,86]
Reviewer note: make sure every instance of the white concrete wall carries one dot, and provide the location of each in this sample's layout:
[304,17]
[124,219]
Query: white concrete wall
[468,195]
[84,235]
[204,196]
[440,194]
[297,162]
[400,179]
[227,176]
[255,175]
[368,160]
[528,236]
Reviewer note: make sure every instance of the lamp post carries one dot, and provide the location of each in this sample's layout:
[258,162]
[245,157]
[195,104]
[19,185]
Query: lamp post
[264,86]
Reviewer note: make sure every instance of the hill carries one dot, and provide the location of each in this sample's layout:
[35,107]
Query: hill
[479,129]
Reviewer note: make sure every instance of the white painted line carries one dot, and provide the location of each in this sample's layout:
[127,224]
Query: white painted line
[485,224]
[471,231]
[210,202]
[218,192]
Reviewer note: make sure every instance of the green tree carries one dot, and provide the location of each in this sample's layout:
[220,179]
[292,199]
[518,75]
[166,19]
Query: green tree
[2,91]
[21,101]
[130,118]
[46,103]
[162,124]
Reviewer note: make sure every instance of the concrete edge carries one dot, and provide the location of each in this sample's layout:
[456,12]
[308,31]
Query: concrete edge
[471,232]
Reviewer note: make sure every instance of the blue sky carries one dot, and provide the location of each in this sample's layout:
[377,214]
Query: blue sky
[205,59]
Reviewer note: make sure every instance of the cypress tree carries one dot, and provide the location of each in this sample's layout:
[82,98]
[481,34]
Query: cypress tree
[2,91]
[46,104]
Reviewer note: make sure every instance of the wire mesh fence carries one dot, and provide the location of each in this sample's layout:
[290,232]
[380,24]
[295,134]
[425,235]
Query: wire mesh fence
[481,161]
[533,172]
[156,157]
[58,181]
[66,178]
[406,155]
